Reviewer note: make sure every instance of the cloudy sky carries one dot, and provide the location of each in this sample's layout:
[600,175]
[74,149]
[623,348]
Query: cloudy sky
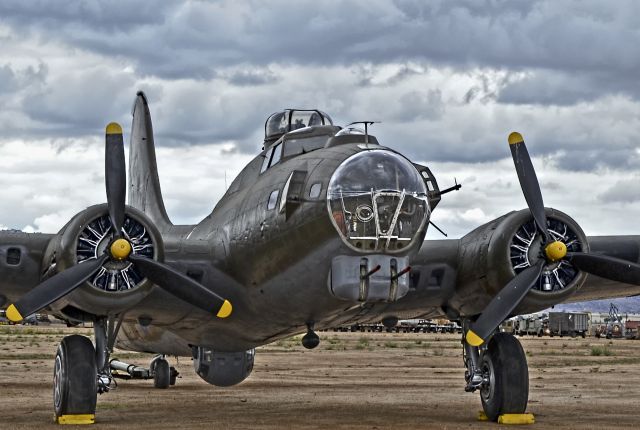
[448,81]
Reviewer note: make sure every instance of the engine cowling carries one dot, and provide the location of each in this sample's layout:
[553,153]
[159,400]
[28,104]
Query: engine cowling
[118,285]
[492,255]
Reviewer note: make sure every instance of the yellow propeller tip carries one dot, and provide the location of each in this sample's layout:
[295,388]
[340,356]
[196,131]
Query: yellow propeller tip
[515,137]
[225,309]
[473,339]
[114,128]
[13,314]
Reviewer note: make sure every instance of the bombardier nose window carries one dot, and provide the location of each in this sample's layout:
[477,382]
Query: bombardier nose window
[378,201]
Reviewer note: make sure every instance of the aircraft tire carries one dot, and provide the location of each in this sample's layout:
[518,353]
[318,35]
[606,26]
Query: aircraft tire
[161,374]
[505,363]
[74,377]
[173,376]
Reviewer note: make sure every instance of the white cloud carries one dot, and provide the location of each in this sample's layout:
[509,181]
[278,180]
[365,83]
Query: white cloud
[448,80]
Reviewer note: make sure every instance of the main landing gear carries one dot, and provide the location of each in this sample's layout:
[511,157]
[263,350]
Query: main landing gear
[498,369]
[81,372]
[74,381]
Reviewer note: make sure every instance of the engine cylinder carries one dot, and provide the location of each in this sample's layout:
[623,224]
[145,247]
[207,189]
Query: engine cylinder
[118,285]
[492,255]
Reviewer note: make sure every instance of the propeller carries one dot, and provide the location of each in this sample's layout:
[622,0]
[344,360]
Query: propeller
[120,249]
[528,182]
[115,176]
[501,306]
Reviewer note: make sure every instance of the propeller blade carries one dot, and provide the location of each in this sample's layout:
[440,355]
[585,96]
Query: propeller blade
[606,267]
[503,304]
[182,286]
[115,175]
[53,288]
[528,181]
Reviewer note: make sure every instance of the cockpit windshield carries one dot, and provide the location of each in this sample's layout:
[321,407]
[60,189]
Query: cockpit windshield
[283,122]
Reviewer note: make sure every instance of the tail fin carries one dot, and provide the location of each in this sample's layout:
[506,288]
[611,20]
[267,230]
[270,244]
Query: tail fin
[144,185]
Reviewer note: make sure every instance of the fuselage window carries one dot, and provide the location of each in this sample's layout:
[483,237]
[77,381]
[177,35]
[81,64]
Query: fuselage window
[267,158]
[314,191]
[427,180]
[273,199]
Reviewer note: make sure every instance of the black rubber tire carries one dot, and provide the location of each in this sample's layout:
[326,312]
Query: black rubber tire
[74,377]
[161,374]
[173,376]
[506,362]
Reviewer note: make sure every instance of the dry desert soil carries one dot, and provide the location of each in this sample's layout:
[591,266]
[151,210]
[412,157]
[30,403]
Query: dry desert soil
[352,380]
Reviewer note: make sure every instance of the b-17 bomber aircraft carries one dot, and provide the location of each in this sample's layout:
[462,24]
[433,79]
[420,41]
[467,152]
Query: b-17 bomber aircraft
[324,227]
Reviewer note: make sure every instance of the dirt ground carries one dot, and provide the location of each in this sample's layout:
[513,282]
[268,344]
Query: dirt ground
[352,380]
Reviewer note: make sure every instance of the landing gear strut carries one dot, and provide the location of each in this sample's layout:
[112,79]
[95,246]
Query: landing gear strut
[499,370]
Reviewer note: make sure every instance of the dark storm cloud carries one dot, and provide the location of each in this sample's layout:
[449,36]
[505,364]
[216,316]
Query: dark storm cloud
[214,70]
[14,79]
[119,15]
[84,99]
[191,39]
[547,87]
[624,191]
[251,77]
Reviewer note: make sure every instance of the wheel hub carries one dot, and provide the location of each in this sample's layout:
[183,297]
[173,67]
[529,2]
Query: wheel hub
[57,383]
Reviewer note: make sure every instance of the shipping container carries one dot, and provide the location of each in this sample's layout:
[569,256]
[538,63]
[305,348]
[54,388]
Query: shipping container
[568,323]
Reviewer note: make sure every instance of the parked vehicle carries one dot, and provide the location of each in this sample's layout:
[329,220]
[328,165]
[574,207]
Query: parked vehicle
[568,323]
[614,326]
[534,325]
[631,329]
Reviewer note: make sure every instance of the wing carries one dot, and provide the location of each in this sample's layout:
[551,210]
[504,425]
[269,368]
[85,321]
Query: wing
[459,277]
[623,247]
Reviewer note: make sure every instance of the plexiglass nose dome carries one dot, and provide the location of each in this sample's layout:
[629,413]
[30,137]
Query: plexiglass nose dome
[378,201]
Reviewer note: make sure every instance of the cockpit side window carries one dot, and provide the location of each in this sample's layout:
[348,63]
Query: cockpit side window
[267,158]
[271,157]
[277,154]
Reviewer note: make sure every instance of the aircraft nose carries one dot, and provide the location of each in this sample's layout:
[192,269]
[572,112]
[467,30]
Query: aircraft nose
[378,202]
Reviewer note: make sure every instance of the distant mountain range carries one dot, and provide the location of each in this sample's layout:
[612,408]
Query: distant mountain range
[626,305]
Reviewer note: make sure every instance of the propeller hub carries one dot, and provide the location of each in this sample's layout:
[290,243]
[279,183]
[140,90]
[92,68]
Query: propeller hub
[555,251]
[120,249]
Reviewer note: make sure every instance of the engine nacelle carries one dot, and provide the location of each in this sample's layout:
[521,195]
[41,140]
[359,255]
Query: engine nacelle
[222,369]
[492,255]
[117,286]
